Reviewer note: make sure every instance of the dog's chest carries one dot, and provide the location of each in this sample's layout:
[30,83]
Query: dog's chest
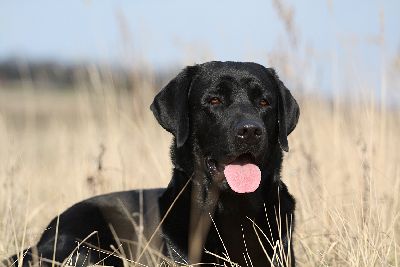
[237,238]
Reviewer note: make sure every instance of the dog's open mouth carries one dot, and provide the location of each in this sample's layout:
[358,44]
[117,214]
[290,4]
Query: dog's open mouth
[241,174]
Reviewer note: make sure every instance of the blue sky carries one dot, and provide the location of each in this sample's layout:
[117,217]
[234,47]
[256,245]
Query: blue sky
[176,32]
[166,31]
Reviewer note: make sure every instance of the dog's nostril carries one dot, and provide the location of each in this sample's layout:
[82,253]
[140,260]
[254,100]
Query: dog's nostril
[242,132]
[258,131]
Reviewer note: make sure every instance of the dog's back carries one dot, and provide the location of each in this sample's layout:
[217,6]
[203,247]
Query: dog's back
[98,229]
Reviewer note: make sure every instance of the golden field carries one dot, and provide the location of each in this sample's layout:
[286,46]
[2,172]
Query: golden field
[60,147]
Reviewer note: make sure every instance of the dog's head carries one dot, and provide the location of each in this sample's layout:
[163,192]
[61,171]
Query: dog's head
[232,115]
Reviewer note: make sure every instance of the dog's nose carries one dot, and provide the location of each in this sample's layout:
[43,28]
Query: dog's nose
[249,131]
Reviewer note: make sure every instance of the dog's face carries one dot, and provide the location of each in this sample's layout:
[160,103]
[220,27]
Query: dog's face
[233,114]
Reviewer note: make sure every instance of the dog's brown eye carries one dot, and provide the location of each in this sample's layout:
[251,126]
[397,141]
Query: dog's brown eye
[264,103]
[215,101]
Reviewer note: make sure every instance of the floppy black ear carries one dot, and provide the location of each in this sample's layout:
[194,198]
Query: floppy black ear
[288,111]
[170,106]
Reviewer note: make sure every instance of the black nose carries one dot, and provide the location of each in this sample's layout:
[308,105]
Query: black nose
[249,131]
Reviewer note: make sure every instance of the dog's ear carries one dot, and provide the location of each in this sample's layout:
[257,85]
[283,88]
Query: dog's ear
[171,107]
[288,111]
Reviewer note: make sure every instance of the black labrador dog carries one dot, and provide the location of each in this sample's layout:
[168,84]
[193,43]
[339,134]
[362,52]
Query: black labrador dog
[225,203]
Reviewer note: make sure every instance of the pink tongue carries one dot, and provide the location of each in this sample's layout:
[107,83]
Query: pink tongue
[243,178]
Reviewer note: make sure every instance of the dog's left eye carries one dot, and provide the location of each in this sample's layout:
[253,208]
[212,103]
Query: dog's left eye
[264,103]
[215,101]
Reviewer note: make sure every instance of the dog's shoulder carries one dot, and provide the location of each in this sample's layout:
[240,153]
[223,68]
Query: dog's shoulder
[287,202]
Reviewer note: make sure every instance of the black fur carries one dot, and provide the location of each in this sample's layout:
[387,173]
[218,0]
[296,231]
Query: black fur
[204,107]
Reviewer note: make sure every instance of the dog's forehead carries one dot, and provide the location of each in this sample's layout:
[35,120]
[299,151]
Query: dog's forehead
[234,72]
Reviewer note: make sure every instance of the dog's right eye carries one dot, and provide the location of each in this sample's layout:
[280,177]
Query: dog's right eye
[264,103]
[215,101]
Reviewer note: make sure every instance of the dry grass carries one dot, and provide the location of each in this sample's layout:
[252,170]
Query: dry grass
[61,147]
